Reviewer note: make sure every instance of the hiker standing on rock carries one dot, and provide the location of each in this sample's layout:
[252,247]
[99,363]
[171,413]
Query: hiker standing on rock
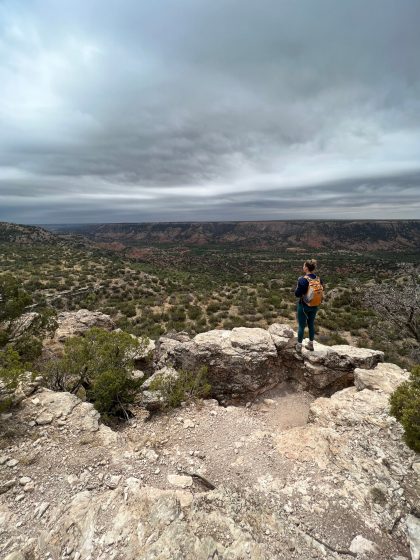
[310,291]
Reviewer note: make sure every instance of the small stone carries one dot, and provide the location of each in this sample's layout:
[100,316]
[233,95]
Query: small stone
[416,468]
[113,481]
[41,509]
[150,455]
[72,479]
[7,485]
[24,480]
[200,454]
[360,545]
[188,423]
[3,459]
[44,419]
[12,462]
[180,481]
[157,471]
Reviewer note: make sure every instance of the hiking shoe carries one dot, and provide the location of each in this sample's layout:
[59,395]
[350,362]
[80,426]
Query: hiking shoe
[299,347]
[310,346]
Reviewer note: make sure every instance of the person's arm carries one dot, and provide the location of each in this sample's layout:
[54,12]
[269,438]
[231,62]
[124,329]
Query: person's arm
[302,287]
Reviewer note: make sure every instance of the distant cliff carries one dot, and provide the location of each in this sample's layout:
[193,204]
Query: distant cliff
[354,235]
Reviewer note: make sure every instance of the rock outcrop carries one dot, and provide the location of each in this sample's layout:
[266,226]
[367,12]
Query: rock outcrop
[23,324]
[76,323]
[244,361]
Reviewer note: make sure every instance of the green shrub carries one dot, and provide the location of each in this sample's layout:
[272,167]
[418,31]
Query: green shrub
[14,297]
[405,406]
[11,369]
[29,347]
[100,363]
[187,386]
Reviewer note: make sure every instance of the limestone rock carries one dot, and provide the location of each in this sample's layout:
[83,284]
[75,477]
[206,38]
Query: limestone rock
[180,481]
[23,324]
[239,361]
[7,485]
[162,375]
[76,323]
[44,418]
[27,385]
[244,361]
[413,531]
[282,335]
[384,377]
[360,545]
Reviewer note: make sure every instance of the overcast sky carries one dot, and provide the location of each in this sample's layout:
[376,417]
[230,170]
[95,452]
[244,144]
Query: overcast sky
[160,110]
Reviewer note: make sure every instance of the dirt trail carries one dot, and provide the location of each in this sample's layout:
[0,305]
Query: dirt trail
[233,445]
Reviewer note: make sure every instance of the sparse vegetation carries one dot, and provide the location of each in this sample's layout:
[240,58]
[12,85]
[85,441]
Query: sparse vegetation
[100,365]
[11,369]
[152,290]
[405,406]
[186,386]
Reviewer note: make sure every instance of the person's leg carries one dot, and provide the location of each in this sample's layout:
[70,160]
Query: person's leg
[311,313]
[302,320]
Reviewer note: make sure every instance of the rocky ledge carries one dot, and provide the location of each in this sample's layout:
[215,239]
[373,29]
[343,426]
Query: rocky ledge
[185,486]
[245,361]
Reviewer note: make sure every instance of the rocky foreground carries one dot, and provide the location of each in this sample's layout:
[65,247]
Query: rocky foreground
[286,474]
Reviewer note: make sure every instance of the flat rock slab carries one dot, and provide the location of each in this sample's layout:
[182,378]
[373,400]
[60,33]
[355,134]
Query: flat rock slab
[384,377]
[180,481]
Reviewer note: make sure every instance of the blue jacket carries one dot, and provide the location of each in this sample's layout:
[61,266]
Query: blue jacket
[303,284]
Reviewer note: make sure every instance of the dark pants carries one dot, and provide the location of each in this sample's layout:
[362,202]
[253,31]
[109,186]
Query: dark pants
[306,316]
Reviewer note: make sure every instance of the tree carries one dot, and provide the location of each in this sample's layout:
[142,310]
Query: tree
[13,298]
[398,302]
[101,363]
[405,406]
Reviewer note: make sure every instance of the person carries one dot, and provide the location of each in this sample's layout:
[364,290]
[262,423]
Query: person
[309,290]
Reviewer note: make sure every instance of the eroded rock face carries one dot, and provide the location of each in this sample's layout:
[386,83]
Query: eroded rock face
[23,324]
[76,323]
[239,361]
[244,361]
[27,385]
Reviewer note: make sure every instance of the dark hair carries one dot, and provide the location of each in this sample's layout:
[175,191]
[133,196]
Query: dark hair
[310,264]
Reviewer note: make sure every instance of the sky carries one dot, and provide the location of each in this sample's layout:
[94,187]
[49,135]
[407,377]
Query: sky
[199,110]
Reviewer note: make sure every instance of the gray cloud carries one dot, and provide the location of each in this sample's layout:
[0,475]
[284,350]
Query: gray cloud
[200,110]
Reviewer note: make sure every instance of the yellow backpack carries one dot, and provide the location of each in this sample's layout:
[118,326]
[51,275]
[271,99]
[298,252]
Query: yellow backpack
[315,293]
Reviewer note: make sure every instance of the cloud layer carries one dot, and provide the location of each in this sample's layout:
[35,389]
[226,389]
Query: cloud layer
[200,110]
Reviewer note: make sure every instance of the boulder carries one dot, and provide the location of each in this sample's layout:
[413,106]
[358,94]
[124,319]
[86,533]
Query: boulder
[76,323]
[67,408]
[23,324]
[239,361]
[155,399]
[282,335]
[384,377]
[332,367]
